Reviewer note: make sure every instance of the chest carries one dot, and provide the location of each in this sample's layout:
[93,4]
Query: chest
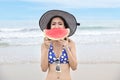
[57,50]
[62,56]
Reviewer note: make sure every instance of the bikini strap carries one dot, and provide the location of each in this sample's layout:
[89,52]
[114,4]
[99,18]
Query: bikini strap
[51,46]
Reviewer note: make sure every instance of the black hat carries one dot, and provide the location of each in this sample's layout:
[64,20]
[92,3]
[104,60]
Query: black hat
[69,18]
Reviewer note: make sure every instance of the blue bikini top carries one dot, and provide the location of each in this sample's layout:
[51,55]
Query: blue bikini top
[52,58]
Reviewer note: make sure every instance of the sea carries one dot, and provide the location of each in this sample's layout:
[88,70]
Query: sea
[95,43]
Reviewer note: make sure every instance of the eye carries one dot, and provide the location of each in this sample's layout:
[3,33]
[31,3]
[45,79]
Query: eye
[60,23]
[53,24]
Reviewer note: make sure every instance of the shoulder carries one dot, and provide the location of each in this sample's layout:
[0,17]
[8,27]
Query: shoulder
[71,42]
[44,46]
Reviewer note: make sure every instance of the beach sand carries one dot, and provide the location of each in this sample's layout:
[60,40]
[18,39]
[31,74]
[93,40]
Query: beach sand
[30,70]
[84,72]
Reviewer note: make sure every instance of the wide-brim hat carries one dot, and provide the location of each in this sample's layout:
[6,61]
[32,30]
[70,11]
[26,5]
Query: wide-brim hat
[69,18]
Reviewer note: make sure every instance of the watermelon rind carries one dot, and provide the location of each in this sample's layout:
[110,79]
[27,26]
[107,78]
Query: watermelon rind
[56,35]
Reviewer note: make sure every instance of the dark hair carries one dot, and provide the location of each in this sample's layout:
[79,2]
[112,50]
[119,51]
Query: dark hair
[49,23]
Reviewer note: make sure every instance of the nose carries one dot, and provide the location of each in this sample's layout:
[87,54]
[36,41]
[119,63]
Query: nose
[57,26]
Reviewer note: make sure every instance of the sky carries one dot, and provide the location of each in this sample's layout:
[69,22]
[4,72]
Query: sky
[28,11]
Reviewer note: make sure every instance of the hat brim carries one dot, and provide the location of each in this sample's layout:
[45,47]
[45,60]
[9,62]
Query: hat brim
[69,18]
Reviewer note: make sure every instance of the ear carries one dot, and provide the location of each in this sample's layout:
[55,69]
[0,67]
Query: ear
[67,39]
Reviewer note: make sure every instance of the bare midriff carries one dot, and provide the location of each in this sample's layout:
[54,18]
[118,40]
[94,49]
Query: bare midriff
[64,74]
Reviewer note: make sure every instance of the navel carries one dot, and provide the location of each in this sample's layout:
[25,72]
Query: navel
[58,77]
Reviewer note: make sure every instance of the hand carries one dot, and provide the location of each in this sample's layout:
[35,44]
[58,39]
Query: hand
[64,42]
[47,41]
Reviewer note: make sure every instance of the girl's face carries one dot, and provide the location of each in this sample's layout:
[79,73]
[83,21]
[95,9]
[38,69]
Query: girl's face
[57,23]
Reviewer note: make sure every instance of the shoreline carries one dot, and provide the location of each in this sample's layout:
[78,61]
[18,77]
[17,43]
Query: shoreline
[80,62]
[86,54]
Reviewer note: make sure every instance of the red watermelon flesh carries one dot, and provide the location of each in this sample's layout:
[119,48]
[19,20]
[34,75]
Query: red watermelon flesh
[56,33]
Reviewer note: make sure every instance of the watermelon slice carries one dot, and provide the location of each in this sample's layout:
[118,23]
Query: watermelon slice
[56,33]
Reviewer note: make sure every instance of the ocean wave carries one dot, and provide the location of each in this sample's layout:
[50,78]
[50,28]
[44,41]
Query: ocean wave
[5,44]
[20,35]
[98,27]
[79,28]
[31,29]
[99,62]
[38,62]
[32,36]
[35,33]
[18,29]
[30,59]
[97,32]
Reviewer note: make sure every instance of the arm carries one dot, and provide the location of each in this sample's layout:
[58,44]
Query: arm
[44,55]
[44,58]
[71,51]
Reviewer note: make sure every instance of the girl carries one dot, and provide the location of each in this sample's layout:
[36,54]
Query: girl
[58,56]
